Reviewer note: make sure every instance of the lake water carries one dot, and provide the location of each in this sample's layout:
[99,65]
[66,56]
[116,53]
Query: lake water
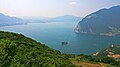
[52,34]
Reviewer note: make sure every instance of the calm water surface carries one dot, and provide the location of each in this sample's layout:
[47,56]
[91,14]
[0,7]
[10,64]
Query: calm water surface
[52,34]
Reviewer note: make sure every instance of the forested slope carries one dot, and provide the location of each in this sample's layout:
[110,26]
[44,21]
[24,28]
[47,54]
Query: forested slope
[16,50]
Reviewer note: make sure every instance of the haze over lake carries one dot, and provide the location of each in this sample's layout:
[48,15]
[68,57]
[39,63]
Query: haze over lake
[53,33]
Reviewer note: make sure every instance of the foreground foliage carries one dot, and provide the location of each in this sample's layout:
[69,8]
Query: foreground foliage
[16,50]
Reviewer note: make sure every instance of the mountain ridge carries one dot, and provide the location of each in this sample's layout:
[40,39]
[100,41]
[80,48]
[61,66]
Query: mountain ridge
[6,20]
[101,22]
[64,18]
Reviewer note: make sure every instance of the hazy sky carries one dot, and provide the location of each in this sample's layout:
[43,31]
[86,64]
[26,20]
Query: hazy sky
[52,8]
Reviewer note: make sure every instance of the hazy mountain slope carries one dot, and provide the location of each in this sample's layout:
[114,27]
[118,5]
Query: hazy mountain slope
[7,20]
[102,22]
[65,18]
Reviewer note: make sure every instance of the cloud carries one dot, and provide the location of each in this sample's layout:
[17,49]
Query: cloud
[73,3]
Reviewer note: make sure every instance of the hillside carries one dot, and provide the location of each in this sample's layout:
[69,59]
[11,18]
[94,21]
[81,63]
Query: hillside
[8,20]
[16,50]
[102,22]
[94,61]
[113,51]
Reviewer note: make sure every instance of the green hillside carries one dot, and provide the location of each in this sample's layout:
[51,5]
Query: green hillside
[16,50]
[114,49]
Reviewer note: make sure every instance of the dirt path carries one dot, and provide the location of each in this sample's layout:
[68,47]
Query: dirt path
[84,64]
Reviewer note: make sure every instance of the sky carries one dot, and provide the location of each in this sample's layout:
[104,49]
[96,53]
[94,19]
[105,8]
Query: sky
[53,8]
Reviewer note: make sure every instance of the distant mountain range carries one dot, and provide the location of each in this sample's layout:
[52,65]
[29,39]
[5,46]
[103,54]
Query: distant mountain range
[65,18]
[102,22]
[7,20]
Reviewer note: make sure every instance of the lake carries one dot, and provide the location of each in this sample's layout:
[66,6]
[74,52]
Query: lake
[54,33]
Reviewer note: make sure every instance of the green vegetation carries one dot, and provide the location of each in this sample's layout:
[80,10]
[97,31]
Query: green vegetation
[108,61]
[16,50]
[115,49]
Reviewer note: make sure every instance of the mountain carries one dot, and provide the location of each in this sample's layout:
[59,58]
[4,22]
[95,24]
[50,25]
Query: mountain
[65,18]
[37,19]
[102,22]
[16,50]
[7,20]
